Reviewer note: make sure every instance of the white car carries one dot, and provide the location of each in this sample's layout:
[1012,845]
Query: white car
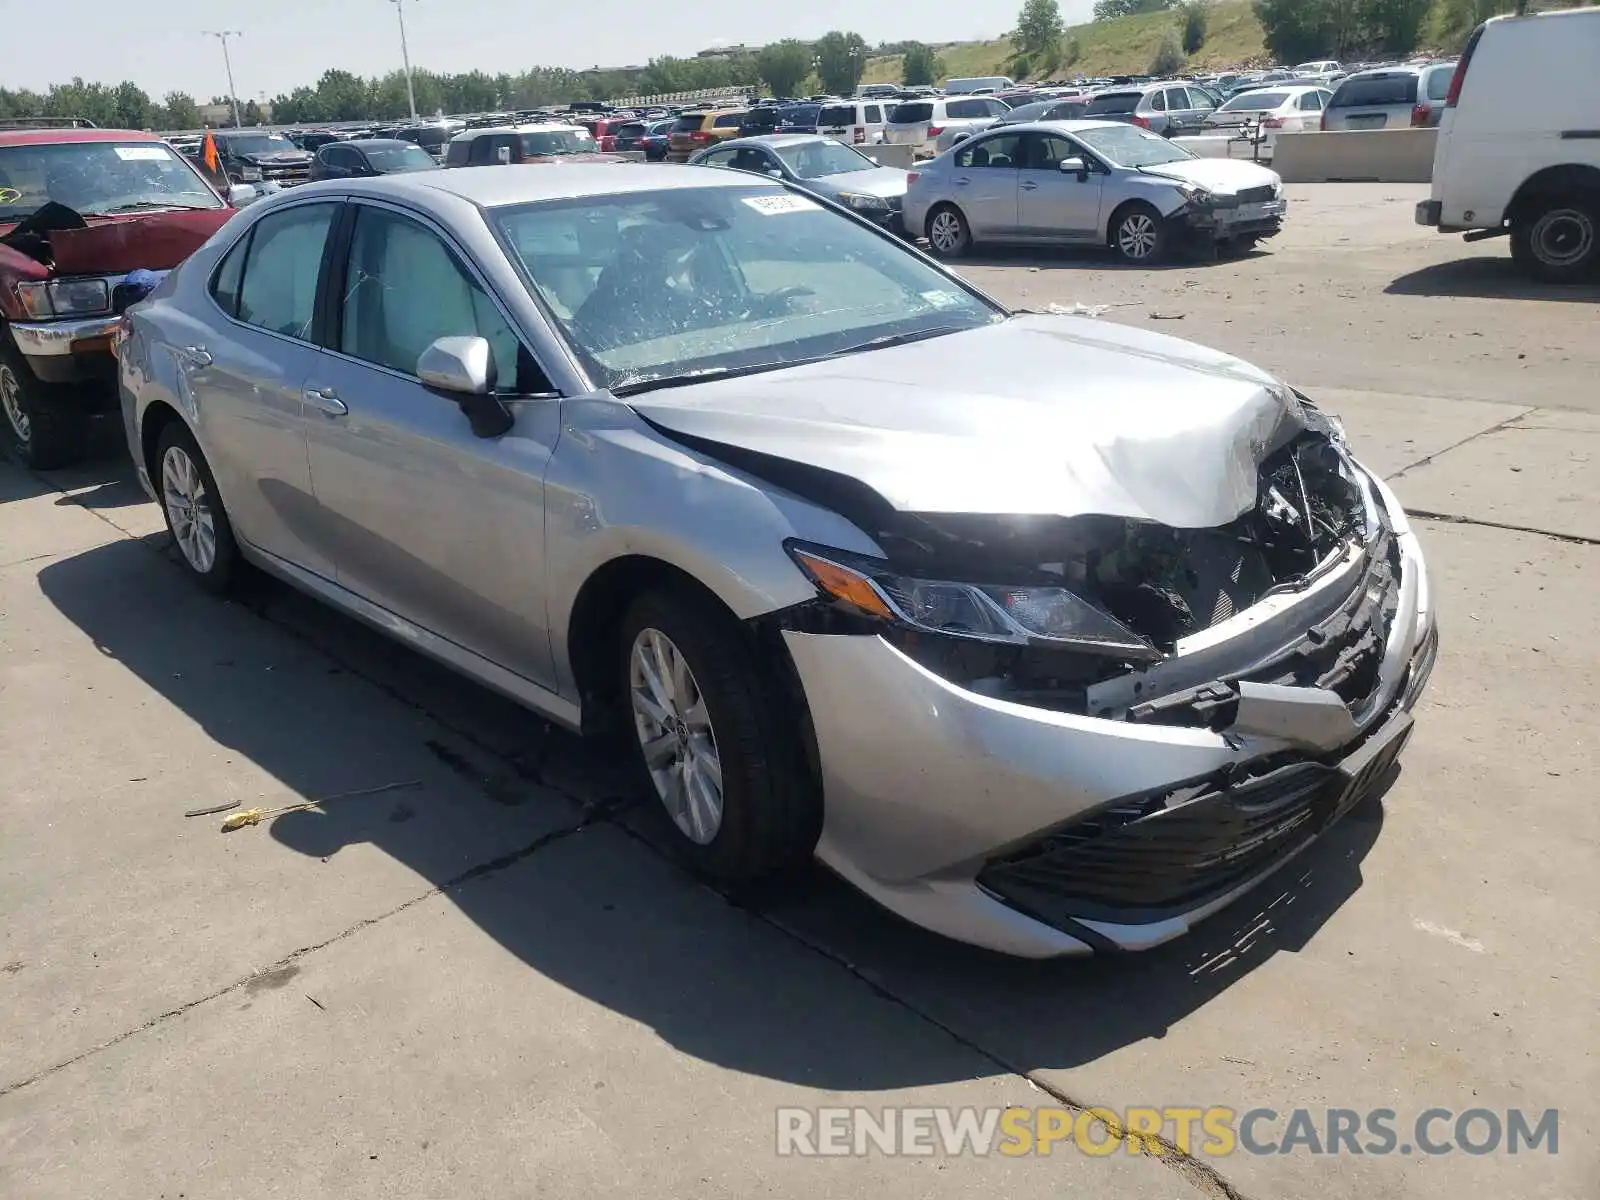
[917,123]
[1267,111]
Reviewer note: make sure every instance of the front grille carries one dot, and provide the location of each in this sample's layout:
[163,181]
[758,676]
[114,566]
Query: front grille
[288,175]
[1256,195]
[1149,856]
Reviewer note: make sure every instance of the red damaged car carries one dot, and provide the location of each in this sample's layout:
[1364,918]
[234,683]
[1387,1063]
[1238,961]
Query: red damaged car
[90,221]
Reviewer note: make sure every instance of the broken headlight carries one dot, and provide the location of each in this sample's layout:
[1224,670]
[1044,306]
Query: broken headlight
[1019,615]
[66,298]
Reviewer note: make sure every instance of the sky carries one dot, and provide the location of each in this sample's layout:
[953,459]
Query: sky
[158,44]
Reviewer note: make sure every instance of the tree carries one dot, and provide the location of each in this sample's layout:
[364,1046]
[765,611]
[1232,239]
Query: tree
[1073,53]
[841,61]
[1168,58]
[179,111]
[782,65]
[919,65]
[251,113]
[1295,30]
[1392,26]
[1038,32]
[1196,15]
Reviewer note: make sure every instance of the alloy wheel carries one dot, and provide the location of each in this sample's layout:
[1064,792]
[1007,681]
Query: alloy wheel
[11,401]
[675,734]
[1563,237]
[1137,235]
[945,232]
[188,505]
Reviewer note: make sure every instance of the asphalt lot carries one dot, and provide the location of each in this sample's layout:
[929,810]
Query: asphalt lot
[493,983]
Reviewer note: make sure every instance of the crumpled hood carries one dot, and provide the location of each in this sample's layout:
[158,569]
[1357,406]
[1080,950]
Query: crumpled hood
[1045,415]
[880,181]
[1217,174]
[157,241]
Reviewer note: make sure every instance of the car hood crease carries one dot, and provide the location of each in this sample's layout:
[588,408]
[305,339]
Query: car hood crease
[1092,418]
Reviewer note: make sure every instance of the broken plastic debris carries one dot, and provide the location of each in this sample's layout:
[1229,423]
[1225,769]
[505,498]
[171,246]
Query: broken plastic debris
[1078,309]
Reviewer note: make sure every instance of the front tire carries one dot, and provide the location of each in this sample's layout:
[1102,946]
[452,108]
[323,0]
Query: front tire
[713,742]
[949,235]
[1139,235]
[40,427]
[1557,240]
[193,508]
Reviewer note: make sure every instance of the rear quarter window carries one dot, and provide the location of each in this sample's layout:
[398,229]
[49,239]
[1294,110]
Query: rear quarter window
[1113,102]
[967,108]
[729,120]
[1439,83]
[1382,90]
[688,124]
[910,114]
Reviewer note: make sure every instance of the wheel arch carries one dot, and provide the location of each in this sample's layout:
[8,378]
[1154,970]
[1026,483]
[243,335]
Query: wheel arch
[1564,179]
[152,424]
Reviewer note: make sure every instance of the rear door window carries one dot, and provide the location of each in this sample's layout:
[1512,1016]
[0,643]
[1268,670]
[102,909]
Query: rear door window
[279,288]
[1311,102]
[911,114]
[1376,91]
[1002,153]
[1439,83]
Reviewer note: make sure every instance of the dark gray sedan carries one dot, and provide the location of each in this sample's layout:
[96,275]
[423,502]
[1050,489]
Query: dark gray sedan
[821,166]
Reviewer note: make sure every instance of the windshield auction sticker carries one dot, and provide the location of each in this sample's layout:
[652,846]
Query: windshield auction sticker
[773,205]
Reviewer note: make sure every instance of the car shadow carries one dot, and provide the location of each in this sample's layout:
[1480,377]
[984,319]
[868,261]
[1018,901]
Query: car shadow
[680,953]
[1091,258]
[1487,279]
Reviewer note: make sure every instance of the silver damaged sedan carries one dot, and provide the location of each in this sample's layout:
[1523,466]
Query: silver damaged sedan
[1048,634]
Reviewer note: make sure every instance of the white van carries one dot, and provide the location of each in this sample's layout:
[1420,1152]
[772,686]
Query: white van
[981,83]
[1519,143]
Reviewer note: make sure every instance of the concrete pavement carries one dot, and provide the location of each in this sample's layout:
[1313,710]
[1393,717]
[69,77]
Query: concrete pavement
[492,983]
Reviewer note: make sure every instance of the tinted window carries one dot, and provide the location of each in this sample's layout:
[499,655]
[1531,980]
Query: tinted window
[1439,83]
[837,114]
[874,114]
[1158,101]
[1113,102]
[225,283]
[688,124]
[798,114]
[1255,102]
[966,108]
[1358,92]
[728,121]
[279,290]
[910,114]
[392,325]
[1002,152]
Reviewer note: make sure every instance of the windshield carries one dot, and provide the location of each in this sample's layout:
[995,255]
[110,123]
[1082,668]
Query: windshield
[387,160]
[98,177]
[812,160]
[691,280]
[258,143]
[555,141]
[1130,146]
[1255,102]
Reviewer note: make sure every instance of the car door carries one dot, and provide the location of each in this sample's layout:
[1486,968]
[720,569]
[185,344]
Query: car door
[1308,110]
[246,374]
[1053,206]
[1201,106]
[425,519]
[983,183]
[1181,118]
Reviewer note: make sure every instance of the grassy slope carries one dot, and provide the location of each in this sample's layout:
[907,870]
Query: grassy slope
[1122,46]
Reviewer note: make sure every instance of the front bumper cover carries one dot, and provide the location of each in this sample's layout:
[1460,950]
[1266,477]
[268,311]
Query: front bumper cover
[931,788]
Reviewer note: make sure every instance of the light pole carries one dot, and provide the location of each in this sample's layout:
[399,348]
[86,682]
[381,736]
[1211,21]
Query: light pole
[233,96]
[405,54]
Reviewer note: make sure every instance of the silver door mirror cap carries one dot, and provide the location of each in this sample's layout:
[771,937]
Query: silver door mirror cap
[461,365]
[1074,166]
[241,194]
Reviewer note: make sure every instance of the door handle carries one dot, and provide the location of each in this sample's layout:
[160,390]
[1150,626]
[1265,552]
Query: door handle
[961,182]
[1028,187]
[195,356]
[326,401]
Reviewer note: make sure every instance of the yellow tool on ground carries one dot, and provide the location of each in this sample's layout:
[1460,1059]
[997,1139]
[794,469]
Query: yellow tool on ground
[254,816]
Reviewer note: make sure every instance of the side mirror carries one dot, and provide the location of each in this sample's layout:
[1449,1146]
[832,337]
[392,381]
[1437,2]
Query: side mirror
[1075,166]
[775,173]
[463,368]
[241,194]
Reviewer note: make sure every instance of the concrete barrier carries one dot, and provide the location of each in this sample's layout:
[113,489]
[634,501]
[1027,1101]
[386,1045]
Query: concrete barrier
[1356,156]
[887,155]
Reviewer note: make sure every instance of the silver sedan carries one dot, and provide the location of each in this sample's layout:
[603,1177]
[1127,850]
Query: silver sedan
[820,165]
[1048,634]
[1089,183]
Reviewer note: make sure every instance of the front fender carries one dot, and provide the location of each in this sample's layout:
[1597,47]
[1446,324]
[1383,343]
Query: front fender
[617,487]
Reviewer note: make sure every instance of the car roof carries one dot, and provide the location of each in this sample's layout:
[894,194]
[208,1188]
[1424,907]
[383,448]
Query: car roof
[373,143]
[467,135]
[54,137]
[493,186]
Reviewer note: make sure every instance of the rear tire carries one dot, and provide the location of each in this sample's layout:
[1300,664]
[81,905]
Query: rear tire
[1557,239]
[713,741]
[949,235]
[193,507]
[1139,234]
[40,425]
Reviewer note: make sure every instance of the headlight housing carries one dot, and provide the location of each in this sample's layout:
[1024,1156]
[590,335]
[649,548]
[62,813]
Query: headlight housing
[66,298]
[1017,616]
[250,174]
[862,202]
